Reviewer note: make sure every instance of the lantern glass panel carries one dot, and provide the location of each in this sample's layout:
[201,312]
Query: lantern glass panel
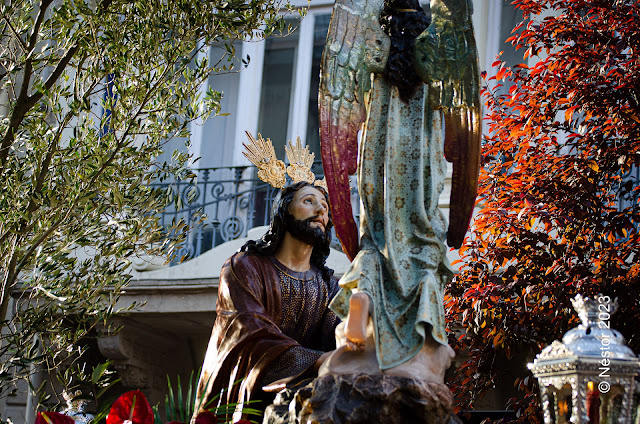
[564,405]
[611,408]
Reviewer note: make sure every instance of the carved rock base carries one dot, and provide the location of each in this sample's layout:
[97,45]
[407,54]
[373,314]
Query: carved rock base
[363,399]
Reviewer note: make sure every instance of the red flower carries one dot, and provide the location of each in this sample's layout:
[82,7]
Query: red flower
[53,418]
[206,417]
[175,422]
[243,422]
[131,406]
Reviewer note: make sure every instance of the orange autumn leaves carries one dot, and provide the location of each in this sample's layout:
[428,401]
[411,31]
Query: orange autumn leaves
[558,193]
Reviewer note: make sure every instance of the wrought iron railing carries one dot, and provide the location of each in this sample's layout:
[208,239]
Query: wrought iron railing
[230,200]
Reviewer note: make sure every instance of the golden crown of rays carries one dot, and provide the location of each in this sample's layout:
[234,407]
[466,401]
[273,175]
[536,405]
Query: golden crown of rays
[272,171]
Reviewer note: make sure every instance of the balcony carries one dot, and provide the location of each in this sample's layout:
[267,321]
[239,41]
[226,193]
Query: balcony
[222,204]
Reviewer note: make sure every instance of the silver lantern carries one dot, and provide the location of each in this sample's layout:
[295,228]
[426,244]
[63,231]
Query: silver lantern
[589,377]
[75,408]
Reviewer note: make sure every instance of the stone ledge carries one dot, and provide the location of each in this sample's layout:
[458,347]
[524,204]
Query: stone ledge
[171,296]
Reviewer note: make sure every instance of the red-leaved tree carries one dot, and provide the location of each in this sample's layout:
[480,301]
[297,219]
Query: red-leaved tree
[558,193]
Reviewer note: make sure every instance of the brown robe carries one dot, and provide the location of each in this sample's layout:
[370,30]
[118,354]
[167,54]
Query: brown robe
[248,343]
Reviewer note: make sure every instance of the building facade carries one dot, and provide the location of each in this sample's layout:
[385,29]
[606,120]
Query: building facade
[275,95]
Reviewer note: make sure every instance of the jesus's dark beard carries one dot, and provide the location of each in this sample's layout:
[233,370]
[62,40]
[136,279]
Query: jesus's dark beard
[302,230]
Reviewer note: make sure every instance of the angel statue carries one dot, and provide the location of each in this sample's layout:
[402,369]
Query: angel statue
[408,89]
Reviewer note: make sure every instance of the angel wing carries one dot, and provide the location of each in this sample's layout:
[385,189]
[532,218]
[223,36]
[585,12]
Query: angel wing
[446,58]
[355,47]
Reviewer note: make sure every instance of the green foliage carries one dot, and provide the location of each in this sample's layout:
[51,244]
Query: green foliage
[560,198]
[92,92]
[180,404]
[179,407]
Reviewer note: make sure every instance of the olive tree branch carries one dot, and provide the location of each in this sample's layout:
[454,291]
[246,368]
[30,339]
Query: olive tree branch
[15,34]
[25,102]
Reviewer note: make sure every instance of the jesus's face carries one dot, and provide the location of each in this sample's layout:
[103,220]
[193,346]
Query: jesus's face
[308,215]
[309,203]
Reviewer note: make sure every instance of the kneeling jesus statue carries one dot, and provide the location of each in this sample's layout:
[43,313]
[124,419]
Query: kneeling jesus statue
[273,326]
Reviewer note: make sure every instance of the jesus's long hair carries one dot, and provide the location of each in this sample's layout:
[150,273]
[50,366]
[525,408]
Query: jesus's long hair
[269,243]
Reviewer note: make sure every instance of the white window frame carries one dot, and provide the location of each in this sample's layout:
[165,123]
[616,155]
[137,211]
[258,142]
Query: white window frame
[250,83]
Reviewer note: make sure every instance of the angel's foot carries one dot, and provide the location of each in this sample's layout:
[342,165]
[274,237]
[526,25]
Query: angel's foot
[356,325]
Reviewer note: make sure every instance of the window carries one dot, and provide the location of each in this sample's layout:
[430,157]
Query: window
[277,85]
[290,80]
[321,27]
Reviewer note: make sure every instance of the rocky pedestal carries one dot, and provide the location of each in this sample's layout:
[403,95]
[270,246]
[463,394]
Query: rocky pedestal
[363,399]
[351,389]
